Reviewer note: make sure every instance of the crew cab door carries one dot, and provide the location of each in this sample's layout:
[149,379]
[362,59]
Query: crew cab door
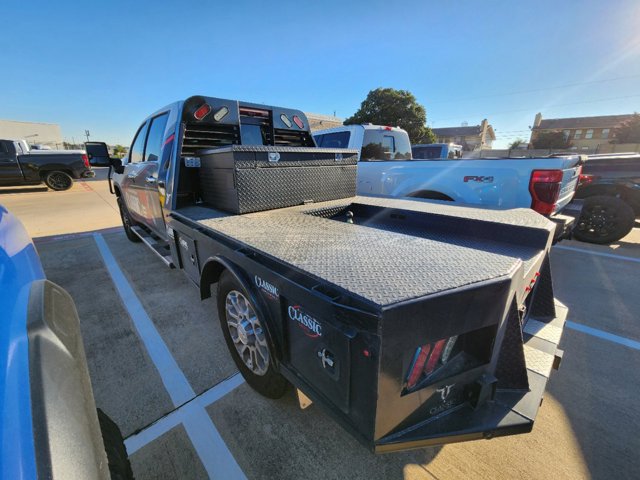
[10,172]
[141,175]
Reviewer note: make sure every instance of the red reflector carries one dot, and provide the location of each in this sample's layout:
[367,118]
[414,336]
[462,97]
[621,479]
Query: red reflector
[298,122]
[435,356]
[585,179]
[418,364]
[388,129]
[544,187]
[202,111]
[85,159]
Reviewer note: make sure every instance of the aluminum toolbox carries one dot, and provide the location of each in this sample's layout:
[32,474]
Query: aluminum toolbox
[242,179]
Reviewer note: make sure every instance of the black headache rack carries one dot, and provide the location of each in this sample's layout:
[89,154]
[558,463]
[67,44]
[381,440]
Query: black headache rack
[414,323]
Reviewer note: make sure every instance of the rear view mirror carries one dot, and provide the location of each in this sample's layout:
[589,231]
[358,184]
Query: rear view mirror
[116,163]
[98,154]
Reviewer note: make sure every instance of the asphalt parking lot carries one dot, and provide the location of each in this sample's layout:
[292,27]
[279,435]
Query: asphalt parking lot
[160,368]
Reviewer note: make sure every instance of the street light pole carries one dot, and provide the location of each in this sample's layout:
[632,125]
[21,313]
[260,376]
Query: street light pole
[86,132]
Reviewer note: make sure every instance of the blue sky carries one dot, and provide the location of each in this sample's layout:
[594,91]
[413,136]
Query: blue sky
[104,66]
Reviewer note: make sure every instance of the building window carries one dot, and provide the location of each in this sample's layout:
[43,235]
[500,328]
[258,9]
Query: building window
[577,135]
[589,133]
[605,133]
[566,134]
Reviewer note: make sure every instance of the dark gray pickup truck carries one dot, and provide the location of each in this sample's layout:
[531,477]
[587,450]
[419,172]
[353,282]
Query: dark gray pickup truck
[21,166]
[413,322]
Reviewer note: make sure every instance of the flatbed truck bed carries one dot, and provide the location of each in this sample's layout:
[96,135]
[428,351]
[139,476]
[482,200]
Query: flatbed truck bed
[412,322]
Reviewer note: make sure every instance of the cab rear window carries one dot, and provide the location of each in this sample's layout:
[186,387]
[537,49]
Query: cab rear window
[385,145]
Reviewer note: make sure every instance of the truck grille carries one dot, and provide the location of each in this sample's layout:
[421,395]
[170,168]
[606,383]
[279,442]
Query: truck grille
[199,136]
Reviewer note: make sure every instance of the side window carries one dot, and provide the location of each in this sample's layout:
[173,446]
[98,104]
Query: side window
[137,148]
[155,137]
[333,140]
[3,148]
[318,139]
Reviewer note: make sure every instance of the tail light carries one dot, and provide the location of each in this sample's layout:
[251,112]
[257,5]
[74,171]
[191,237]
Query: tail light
[445,358]
[202,111]
[298,122]
[585,179]
[426,359]
[544,187]
[85,160]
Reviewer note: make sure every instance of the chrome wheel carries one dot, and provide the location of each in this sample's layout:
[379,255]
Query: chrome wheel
[246,332]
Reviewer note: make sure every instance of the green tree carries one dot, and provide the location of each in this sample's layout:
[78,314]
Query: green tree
[119,151]
[516,143]
[628,131]
[550,140]
[397,108]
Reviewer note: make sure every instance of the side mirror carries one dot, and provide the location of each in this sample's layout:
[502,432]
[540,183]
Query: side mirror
[116,163]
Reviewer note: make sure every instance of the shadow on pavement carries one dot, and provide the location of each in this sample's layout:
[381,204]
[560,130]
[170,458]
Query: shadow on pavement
[23,189]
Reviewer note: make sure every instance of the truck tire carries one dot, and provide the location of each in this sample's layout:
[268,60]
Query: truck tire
[58,180]
[604,219]
[244,332]
[119,466]
[127,223]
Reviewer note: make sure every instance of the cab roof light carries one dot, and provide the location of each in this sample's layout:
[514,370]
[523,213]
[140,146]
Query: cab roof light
[220,113]
[202,111]
[298,122]
[286,120]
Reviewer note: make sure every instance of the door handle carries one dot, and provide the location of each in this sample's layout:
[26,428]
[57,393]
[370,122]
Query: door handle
[151,180]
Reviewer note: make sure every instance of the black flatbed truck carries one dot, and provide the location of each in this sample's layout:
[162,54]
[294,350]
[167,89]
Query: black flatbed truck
[412,322]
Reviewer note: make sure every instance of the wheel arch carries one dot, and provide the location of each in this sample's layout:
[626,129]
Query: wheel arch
[431,195]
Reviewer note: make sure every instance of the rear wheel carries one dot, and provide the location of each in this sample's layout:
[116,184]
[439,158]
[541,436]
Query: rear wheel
[127,223]
[246,337]
[604,220]
[57,180]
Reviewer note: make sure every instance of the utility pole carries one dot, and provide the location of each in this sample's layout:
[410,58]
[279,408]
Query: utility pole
[86,132]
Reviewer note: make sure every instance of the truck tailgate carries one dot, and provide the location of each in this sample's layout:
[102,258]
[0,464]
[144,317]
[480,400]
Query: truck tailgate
[570,174]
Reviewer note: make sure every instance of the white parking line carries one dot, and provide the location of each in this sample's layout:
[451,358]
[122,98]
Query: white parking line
[627,342]
[209,445]
[157,429]
[598,254]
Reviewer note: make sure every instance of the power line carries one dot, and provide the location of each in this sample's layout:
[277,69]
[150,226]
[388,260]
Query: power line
[536,90]
[550,107]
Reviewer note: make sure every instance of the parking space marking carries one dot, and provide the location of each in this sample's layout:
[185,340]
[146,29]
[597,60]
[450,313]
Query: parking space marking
[209,445]
[627,342]
[599,254]
[157,429]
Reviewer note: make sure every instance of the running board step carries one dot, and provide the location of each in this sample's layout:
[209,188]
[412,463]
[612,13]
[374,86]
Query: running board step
[161,249]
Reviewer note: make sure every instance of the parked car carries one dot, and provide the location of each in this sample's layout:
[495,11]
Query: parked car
[48,415]
[55,168]
[610,188]
[387,167]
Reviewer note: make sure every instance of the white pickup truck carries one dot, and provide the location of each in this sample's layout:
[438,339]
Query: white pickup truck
[386,167]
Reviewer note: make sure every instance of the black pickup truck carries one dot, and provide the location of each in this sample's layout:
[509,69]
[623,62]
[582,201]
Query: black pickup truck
[610,189]
[55,168]
[413,322]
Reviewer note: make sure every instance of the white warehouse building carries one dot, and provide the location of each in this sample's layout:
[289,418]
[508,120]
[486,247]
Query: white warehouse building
[33,132]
